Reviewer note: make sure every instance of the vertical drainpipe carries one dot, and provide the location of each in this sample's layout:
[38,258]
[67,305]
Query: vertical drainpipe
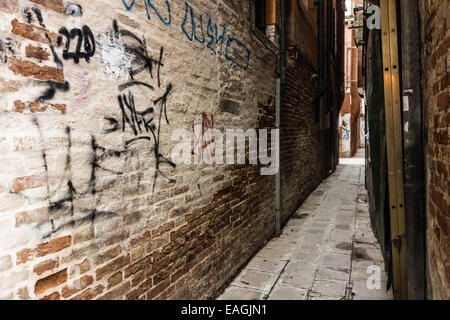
[278,176]
[413,148]
[366,106]
[283,41]
[280,84]
[330,99]
[319,92]
[272,19]
[322,88]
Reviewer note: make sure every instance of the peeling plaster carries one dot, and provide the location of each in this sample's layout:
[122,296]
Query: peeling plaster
[116,60]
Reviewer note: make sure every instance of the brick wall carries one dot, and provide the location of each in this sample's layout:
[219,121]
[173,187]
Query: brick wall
[300,138]
[435,16]
[91,207]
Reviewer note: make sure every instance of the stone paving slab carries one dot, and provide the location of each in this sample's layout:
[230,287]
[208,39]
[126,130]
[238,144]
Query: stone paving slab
[266,265]
[324,251]
[275,253]
[333,273]
[252,279]
[283,292]
[361,292]
[241,293]
[330,288]
[298,274]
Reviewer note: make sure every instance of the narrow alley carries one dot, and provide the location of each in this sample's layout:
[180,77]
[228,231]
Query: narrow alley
[207,151]
[324,251]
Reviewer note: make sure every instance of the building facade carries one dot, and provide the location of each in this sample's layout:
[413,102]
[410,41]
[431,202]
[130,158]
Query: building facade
[435,17]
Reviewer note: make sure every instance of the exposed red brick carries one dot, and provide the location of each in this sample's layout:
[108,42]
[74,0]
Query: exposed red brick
[138,278]
[436,87]
[51,281]
[163,229]
[52,296]
[179,190]
[162,275]
[36,52]
[443,101]
[138,253]
[77,286]
[34,33]
[24,256]
[442,49]
[442,222]
[142,239]
[89,294]
[160,263]
[30,182]
[436,196]
[142,265]
[45,266]
[56,5]
[30,69]
[445,82]
[114,280]
[139,291]
[181,232]
[178,274]
[9,6]
[441,168]
[117,293]
[436,104]
[158,289]
[53,246]
[447,272]
[112,267]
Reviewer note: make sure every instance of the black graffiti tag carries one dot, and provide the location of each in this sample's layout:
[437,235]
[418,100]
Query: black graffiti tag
[145,125]
[85,38]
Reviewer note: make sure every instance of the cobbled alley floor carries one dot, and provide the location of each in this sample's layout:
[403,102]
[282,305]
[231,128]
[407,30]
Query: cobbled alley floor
[327,250]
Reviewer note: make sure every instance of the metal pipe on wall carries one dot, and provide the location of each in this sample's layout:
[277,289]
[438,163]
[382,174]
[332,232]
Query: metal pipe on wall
[278,174]
[280,84]
[283,17]
[281,74]
[319,92]
[366,118]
